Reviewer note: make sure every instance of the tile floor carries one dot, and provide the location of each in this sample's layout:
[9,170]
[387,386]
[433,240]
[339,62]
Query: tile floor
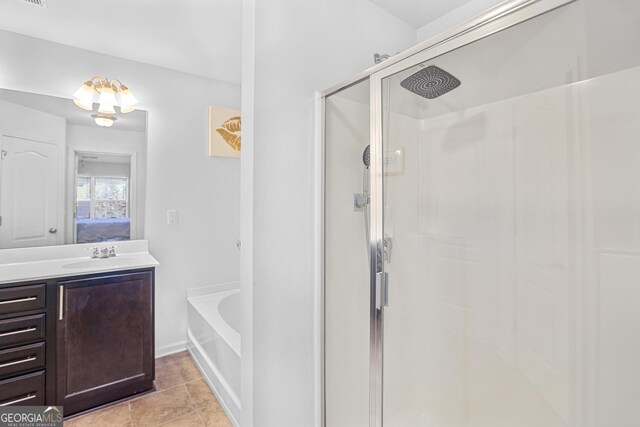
[181,399]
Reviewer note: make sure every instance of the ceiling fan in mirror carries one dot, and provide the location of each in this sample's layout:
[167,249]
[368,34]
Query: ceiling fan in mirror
[108,94]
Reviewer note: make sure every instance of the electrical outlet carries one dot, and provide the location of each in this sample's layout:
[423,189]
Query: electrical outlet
[172,216]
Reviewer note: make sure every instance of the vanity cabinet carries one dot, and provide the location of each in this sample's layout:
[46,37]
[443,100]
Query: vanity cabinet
[78,342]
[104,338]
[24,344]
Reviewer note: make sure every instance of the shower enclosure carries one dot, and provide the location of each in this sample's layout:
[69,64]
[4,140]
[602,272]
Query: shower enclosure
[482,268]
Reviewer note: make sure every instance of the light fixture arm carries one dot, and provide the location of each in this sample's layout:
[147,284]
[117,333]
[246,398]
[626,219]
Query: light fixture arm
[99,82]
[117,87]
[96,81]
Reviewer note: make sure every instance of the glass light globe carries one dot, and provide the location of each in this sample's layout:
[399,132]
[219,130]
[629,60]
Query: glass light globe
[85,92]
[106,109]
[103,121]
[83,104]
[107,96]
[127,100]
[84,96]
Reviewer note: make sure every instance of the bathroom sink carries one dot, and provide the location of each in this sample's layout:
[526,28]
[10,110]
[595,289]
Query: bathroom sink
[118,261]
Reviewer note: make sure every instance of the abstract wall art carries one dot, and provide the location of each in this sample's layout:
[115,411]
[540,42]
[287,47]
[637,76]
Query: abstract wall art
[225,132]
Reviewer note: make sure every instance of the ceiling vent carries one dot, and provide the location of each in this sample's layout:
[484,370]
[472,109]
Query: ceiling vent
[41,3]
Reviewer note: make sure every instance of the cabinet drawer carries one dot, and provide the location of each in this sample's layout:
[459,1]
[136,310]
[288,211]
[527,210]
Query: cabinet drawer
[21,359]
[27,390]
[22,330]
[22,298]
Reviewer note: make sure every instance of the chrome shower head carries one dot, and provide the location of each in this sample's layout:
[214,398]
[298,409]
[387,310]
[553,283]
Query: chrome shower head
[430,82]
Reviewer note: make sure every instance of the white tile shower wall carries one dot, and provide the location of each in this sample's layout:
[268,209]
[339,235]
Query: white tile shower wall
[201,250]
[300,48]
[506,165]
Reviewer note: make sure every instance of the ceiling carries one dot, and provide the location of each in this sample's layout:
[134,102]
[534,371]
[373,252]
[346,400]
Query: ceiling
[418,13]
[201,37]
[135,121]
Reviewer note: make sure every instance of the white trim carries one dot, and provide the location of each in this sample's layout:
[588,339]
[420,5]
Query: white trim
[318,262]
[172,348]
[134,181]
[246,211]
[376,266]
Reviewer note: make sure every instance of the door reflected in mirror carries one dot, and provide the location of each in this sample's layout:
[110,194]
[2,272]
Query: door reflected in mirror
[65,180]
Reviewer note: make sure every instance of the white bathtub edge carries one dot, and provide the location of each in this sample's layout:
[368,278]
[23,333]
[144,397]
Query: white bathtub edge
[213,317]
[212,289]
[216,382]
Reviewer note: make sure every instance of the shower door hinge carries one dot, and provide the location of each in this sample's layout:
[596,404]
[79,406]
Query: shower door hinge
[382,290]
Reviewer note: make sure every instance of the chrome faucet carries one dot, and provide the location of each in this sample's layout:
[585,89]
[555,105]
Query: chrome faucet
[95,252]
[104,252]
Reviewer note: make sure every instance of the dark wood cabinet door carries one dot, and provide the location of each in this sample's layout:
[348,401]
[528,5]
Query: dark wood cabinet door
[104,338]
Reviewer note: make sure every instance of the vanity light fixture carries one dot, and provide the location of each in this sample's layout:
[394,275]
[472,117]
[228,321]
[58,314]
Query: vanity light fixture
[104,120]
[108,94]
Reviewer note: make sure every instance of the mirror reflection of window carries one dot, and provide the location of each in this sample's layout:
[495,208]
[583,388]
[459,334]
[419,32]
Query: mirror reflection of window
[102,198]
[111,197]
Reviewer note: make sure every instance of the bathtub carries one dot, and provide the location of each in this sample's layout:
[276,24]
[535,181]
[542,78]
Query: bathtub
[213,339]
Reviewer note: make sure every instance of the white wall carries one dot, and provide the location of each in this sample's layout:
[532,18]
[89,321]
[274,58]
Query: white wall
[102,169]
[19,120]
[300,48]
[201,248]
[107,141]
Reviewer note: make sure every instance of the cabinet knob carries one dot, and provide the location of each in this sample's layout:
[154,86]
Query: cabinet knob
[53,230]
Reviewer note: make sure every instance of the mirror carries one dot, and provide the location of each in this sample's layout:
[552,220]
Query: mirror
[63,178]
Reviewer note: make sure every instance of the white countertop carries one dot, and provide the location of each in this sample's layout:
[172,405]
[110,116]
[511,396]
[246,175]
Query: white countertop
[25,264]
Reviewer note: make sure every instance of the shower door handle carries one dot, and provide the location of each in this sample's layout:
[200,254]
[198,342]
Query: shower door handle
[382,290]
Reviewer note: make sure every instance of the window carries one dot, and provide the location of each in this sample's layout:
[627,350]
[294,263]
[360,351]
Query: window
[102,197]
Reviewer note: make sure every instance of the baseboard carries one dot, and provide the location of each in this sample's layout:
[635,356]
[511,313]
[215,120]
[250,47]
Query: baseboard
[166,350]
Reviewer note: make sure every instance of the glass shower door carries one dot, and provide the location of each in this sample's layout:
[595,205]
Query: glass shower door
[511,226]
[346,272]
